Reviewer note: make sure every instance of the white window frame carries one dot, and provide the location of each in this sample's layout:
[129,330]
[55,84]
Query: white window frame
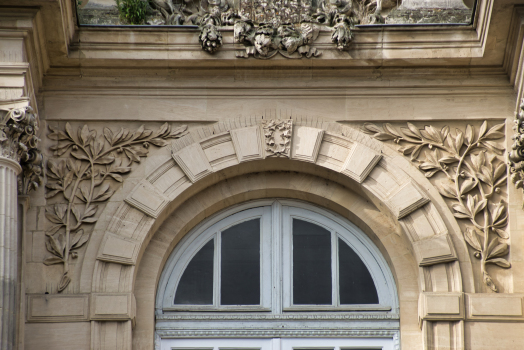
[355,239]
[188,248]
[276,267]
[279,344]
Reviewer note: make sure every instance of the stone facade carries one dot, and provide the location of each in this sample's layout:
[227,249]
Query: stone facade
[117,142]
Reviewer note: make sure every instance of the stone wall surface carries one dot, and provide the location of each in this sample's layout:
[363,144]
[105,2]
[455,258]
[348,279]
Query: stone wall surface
[89,268]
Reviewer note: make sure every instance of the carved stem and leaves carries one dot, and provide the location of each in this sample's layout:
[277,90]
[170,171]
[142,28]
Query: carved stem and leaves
[473,174]
[84,179]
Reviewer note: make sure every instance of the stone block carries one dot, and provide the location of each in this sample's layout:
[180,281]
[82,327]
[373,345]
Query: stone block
[219,151]
[193,162]
[489,306]
[248,143]
[57,308]
[360,161]
[113,306]
[406,199]
[147,198]
[435,250]
[333,151]
[441,306]
[118,250]
[306,143]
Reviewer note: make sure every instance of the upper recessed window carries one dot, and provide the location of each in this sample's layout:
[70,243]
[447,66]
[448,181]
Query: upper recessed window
[136,12]
[277,258]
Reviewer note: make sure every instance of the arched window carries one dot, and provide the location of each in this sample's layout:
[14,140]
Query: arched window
[280,271]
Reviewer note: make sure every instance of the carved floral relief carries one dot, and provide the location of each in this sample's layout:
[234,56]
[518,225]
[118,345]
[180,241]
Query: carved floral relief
[473,178]
[83,180]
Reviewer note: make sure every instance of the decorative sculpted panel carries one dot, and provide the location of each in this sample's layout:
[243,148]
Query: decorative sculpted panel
[473,178]
[270,27]
[85,179]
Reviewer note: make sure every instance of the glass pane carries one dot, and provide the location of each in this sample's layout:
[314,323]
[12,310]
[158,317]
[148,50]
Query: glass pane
[240,266]
[196,285]
[356,283]
[311,264]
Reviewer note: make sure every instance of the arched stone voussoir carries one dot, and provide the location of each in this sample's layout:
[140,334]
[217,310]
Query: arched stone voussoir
[203,158]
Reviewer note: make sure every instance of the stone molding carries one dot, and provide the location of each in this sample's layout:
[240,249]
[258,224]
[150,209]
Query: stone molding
[336,152]
[403,197]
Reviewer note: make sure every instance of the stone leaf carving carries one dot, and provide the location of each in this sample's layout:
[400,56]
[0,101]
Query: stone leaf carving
[516,155]
[18,142]
[474,175]
[83,180]
[277,134]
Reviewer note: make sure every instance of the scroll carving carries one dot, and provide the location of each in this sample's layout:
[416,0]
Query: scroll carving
[473,178]
[516,155]
[277,134]
[84,179]
[18,142]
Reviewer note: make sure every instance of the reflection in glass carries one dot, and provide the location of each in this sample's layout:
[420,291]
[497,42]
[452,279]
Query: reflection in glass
[355,281]
[311,264]
[196,285]
[240,264]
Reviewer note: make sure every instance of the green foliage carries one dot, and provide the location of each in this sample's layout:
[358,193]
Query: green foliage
[132,11]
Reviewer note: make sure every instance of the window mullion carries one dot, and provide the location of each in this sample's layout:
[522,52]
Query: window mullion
[334,268]
[216,271]
[276,257]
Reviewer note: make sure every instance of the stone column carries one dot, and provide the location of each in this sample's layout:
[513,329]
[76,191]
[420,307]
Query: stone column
[18,156]
[9,170]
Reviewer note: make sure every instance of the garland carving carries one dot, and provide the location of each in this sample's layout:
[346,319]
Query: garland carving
[474,175]
[84,180]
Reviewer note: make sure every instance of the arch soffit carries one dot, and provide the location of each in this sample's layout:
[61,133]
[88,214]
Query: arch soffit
[206,157]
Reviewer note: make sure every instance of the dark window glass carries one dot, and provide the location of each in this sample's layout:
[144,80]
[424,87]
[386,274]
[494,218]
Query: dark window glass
[240,265]
[311,264]
[356,283]
[196,285]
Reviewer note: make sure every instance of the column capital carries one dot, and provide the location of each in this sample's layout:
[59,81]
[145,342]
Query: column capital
[18,144]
